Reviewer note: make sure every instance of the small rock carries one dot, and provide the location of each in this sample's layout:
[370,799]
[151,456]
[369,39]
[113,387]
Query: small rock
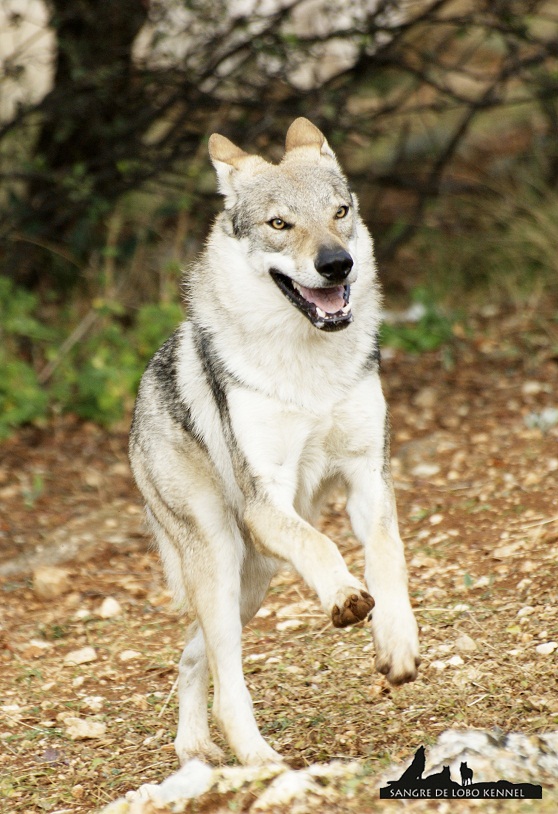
[546,649]
[425,470]
[439,665]
[83,656]
[50,582]
[129,655]
[435,519]
[110,607]
[456,661]
[525,611]
[253,657]
[84,728]
[289,624]
[94,702]
[533,388]
[465,644]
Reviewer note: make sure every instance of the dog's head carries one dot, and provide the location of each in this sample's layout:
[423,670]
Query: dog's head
[299,220]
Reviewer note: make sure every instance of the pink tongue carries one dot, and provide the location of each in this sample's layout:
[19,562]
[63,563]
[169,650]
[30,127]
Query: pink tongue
[329,300]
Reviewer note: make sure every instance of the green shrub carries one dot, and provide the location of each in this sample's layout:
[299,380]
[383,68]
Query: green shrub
[431,329]
[95,377]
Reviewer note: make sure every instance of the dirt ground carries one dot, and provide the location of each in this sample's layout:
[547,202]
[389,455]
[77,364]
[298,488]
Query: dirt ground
[475,460]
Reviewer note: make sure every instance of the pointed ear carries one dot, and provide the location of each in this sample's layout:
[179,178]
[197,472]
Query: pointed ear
[302,133]
[226,158]
[229,160]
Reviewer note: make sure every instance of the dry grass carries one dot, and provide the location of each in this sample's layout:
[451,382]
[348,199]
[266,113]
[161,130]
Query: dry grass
[481,535]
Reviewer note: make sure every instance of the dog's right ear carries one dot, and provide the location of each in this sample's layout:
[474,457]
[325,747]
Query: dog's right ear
[228,159]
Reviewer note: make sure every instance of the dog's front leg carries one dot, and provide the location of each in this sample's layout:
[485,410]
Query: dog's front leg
[279,531]
[371,507]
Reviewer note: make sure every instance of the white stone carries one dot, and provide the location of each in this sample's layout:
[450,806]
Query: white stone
[84,728]
[94,702]
[546,649]
[526,611]
[83,656]
[465,644]
[129,655]
[289,624]
[109,608]
[425,470]
[50,582]
[456,661]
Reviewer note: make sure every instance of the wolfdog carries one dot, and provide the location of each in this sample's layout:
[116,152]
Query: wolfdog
[266,398]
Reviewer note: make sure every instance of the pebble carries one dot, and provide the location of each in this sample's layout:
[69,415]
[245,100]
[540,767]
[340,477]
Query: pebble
[425,470]
[456,661]
[546,649]
[466,644]
[94,702]
[85,655]
[109,608]
[84,728]
[289,624]
[525,611]
[50,582]
[129,655]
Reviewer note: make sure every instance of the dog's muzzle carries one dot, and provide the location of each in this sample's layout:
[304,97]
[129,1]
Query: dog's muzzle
[327,308]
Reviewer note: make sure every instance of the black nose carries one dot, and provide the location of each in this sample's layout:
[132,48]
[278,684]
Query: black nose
[334,264]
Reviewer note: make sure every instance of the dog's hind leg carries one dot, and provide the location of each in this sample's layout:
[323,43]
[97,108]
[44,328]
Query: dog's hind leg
[192,737]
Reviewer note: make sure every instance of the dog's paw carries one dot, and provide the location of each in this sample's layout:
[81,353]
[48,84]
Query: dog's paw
[396,642]
[351,609]
[399,670]
[257,754]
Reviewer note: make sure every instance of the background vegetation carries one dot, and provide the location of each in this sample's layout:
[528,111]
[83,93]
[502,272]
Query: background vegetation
[443,112]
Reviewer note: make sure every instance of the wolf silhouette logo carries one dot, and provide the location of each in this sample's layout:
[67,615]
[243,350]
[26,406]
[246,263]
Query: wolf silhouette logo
[466,775]
[439,785]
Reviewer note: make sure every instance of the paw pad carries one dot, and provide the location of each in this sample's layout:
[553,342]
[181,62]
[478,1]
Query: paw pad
[355,608]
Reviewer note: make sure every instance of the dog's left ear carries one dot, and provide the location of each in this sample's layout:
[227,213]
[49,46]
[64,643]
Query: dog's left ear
[302,133]
[228,159]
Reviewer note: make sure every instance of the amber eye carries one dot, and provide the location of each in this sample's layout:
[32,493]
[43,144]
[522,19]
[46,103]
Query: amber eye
[277,223]
[342,212]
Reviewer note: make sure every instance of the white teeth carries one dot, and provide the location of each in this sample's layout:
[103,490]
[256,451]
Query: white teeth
[320,313]
[346,308]
[296,287]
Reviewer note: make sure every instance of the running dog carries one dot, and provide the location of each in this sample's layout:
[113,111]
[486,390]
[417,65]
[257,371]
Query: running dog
[265,399]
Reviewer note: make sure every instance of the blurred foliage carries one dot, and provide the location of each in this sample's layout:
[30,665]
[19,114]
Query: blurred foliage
[96,377]
[444,114]
[425,327]
[408,92]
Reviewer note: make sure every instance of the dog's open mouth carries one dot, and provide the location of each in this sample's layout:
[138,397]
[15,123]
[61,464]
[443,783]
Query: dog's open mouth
[328,309]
